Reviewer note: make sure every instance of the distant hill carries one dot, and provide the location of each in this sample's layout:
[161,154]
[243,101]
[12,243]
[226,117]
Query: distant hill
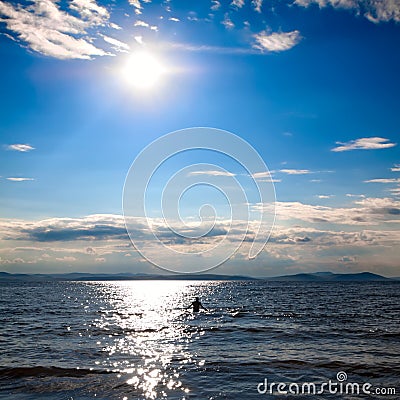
[82,276]
[331,277]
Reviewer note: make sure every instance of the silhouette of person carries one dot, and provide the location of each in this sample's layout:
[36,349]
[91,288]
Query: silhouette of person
[197,305]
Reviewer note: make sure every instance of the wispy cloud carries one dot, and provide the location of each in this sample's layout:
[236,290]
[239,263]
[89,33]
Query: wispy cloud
[348,259]
[19,179]
[141,23]
[136,4]
[365,211]
[212,173]
[139,39]
[145,25]
[257,4]
[48,30]
[375,10]
[90,11]
[324,3]
[395,191]
[383,180]
[296,171]
[383,10]
[215,5]
[325,196]
[354,195]
[66,259]
[115,26]
[207,48]
[395,168]
[237,3]
[276,41]
[265,177]
[227,22]
[20,147]
[260,175]
[117,45]
[371,143]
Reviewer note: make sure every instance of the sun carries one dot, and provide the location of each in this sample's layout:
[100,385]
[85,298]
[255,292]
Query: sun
[143,70]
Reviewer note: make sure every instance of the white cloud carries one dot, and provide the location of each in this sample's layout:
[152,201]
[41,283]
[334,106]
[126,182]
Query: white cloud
[135,3]
[208,48]
[215,5]
[227,22]
[139,39]
[276,41]
[117,45]
[305,236]
[145,25]
[237,3]
[173,19]
[20,179]
[347,259]
[257,4]
[295,171]
[115,26]
[52,32]
[366,211]
[395,191]
[395,168]
[383,10]
[325,196]
[354,195]
[324,3]
[90,11]
[212,173]
[375,10]
[66,259]
[371,143]
[384,180]
[20,147]
[141,23]
[265,176]
[260,175]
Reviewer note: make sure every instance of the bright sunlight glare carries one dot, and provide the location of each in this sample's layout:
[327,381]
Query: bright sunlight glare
[143,70]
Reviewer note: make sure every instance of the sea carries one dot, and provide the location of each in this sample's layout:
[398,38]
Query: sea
[140,340]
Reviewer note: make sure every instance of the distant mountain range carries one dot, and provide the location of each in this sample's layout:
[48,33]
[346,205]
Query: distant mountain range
[303,277]
[82,276]
[332,277]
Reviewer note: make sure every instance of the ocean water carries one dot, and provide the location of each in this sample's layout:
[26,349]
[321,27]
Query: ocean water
[135,339]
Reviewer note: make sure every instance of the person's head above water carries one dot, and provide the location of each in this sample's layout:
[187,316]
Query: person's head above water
[197,299]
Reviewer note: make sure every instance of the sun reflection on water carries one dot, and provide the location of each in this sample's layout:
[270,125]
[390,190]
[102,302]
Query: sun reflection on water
[146,333]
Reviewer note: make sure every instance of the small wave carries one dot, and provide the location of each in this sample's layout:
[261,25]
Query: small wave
[371,371]
[23,372]
[115,331]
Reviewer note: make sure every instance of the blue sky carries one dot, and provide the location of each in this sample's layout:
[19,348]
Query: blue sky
[312,85]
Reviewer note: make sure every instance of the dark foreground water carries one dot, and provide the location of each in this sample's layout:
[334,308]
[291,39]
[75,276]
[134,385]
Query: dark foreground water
[134,340]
